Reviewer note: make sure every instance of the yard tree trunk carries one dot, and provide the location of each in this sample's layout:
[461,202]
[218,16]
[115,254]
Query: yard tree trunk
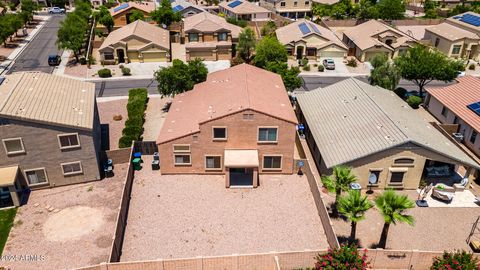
[338,192]
[353,231]
[383,238]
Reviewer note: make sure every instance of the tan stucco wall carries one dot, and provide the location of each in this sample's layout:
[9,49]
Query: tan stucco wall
[241,134]
[43,151]
[121,18]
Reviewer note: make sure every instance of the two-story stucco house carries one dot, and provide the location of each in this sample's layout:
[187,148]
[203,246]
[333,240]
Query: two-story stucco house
[294,9]
[121,13]
[50,130]
[209,37]
[245,10]
[239,123]
[458,104]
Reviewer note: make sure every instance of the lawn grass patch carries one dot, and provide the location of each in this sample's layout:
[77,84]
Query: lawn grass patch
[6,223]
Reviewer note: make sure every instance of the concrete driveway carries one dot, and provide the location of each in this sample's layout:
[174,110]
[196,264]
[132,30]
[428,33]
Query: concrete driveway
[340,67]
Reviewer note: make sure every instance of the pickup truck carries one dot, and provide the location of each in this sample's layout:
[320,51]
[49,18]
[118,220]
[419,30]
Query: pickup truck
[56,10]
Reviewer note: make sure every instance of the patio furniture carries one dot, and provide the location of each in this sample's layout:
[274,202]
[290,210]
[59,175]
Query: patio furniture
[462,185]
[421,202]
[355,186]
[442,171]
[443,192]
[475,245]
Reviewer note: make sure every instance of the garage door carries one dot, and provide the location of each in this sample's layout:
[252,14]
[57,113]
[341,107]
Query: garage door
[206,55]
[241,176]
[331,54]
[133,57]
[154,57]
[370,55]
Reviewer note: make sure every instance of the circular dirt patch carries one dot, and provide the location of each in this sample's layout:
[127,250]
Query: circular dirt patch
[72,222]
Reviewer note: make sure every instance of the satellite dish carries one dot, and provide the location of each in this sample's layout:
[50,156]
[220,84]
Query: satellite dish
[372,179]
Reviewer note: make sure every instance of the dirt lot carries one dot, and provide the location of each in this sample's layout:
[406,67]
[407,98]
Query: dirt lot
[107,108]
[436,228]
[67,227]
[181,216]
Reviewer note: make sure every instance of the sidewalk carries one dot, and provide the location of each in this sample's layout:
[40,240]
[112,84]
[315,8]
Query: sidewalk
[11,58]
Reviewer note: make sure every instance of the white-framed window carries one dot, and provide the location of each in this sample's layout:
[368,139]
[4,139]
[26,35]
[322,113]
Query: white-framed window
[13,146]
[248,116]
[182,159]
[267,134]
[181,148]
[272,162]
[219,133]
[397,177]
[36,176]
[108,56]
[213,162]
[71,168]
[456,49]
[67,141]
[222,36]
[404,161]
[192,37]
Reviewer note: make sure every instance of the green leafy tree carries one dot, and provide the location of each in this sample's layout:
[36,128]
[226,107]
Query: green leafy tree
[289,75]
[392,207]
[164,14]
[6,28]
[71,34]
[137,15]
[422,65]
[340,181]
[180,77]
[83,9]
[455,260]
[269,49]
[367,10]
[106,19]
[346,257]
[246,44]
[269,29]
[58,3]
[391,9]
[430,8]
[354,206]
[28,7]
[384,73]
[321,10]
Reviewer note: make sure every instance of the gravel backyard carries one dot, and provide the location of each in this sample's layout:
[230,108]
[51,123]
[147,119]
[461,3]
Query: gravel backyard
[107,108]
[181,216]
[67,227]
[436,228]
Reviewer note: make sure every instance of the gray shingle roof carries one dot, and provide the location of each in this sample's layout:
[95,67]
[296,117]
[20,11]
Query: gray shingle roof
[352,119]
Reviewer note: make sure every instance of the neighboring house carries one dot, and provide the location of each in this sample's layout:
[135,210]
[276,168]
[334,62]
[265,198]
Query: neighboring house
[304,38]
[186,8]
[237,123]
[121,13]
[328,2]
[373,37]
[294,9]
[244,10]
[209,37]
[136,42]
[372,130]
[457,37]
[458,104]
[50,130]
[97,3]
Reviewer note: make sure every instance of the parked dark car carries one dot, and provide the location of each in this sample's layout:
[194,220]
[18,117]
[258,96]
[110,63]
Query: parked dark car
[54,60]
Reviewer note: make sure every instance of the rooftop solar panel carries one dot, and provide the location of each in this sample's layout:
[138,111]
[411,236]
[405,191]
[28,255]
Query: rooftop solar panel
[470,19]
[315,28]
[475,107]
[122,6]
[304,28]
[235,4]
[177,8]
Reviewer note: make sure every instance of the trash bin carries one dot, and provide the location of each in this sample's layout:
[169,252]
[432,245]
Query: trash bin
[137,164]
[156,156]
[155,165]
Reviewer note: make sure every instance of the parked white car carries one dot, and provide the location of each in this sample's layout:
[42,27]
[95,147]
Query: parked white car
[56,10]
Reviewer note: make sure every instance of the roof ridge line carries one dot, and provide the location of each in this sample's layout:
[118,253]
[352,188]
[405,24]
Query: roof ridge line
[246,86]
[383,111]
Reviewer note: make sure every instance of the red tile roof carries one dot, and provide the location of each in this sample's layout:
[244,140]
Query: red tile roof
[227,92]
[456,97]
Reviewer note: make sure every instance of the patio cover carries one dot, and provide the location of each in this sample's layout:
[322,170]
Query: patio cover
[241,158]
[8,176]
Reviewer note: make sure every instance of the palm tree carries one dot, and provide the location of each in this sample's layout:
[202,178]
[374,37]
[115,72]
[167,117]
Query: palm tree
[392,207]
[354,206]
[340,181]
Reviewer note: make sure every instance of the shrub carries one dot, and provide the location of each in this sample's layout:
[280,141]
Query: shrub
[352,62]
[306,68]
[471,67]
[414,101]
[234,20]
[345,257]
[83,60]
[125,71]
[321,68]
[401,92]
[455,260]
[237,61]
[137,100]
[304,62]
[121,66]
[104,73]
[91,60]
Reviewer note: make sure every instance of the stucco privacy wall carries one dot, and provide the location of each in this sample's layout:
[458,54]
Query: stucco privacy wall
[42,150]
[241,134]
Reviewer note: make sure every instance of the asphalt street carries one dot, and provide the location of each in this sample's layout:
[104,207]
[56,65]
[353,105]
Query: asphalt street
[35,56]
[112,88]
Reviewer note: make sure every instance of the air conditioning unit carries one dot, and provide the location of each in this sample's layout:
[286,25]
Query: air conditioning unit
[458,137]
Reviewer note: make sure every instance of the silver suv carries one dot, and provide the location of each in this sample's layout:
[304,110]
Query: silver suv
[56,10]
